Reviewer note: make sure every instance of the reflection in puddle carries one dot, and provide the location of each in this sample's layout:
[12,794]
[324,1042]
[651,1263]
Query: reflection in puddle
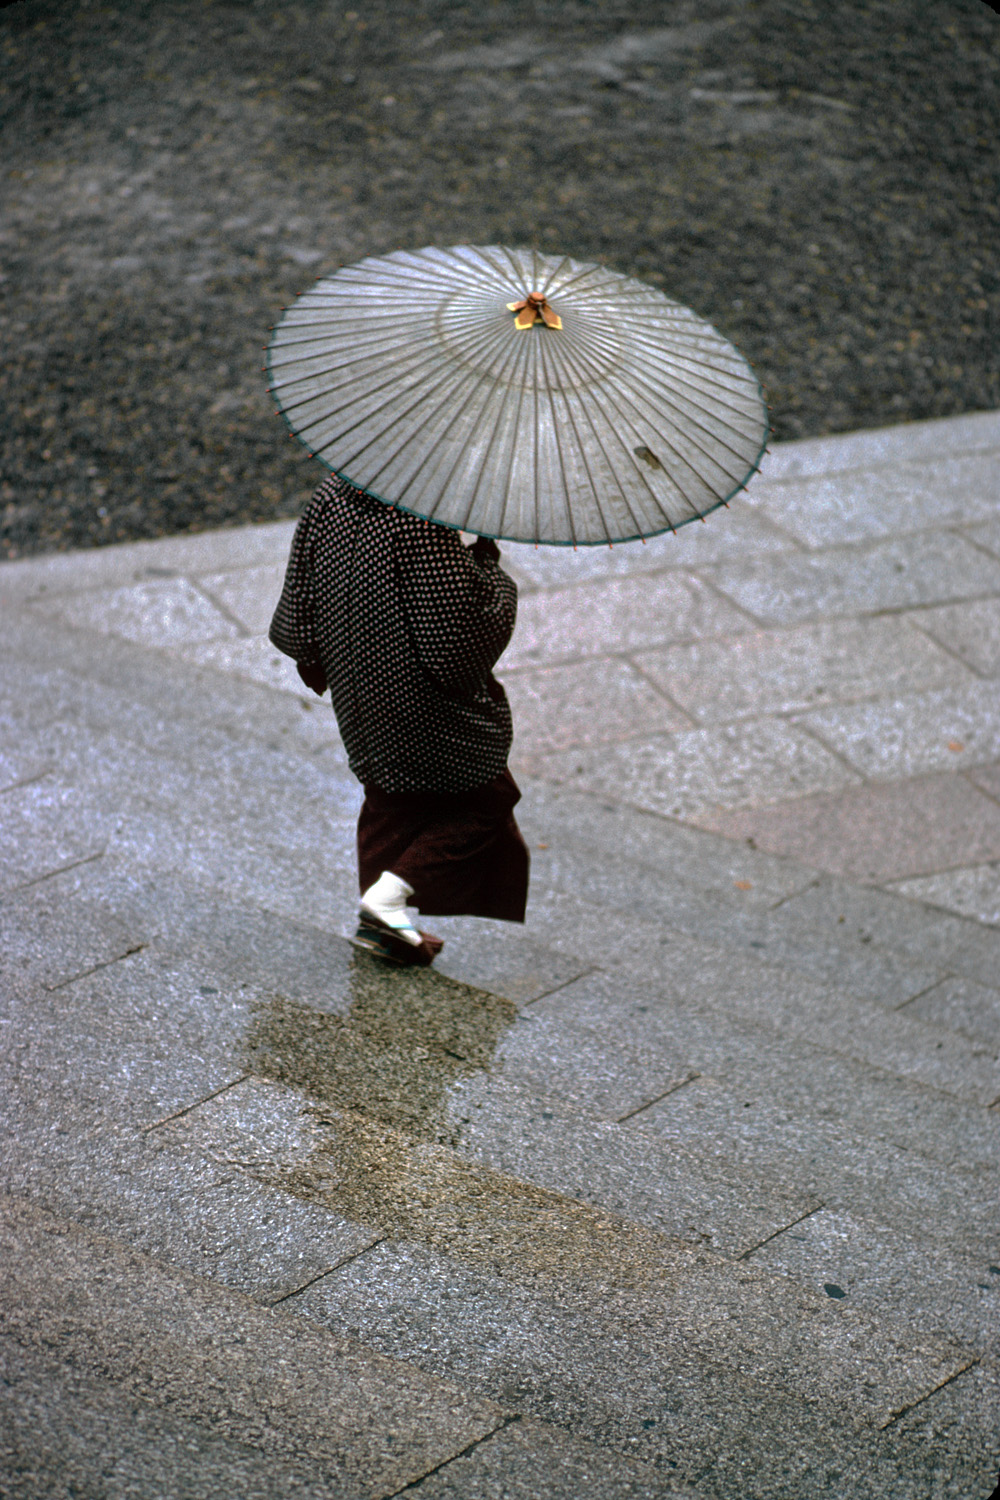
[378,1078]
[407,1036]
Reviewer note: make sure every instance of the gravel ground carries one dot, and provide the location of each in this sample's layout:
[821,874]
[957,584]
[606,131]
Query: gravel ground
[817,179]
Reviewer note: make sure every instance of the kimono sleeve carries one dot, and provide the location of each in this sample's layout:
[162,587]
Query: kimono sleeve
[293,628]
[460,605]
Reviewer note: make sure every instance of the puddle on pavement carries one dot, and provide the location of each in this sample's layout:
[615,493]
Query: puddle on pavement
[378,1079]
[427,1194]
[407,1037]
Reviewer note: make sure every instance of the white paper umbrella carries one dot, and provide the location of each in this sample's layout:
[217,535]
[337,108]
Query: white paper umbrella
[522,396]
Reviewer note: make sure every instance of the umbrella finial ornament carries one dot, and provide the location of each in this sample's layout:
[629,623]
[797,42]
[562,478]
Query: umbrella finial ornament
[534,308]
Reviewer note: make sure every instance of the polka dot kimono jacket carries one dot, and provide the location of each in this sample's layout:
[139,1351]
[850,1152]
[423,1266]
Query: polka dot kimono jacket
[406,623]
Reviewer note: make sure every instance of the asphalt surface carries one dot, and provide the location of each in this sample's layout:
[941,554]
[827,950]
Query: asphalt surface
[818,181]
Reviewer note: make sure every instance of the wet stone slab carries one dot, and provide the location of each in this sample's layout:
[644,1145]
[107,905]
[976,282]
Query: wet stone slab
[97,913]
[725,914]
[884,447]
[57,929]
[972,893]
[866,503]
[756,1128]
[620,1381]
[971,1009]
[481,954]
[736,532]
[961,1419]
[904,1278]
[740,987]
[200,1214]
[791,1077]
[124,689]
[881,832]
[162,612]
[62,573]
[287,1388]
[137,1039]
[646,1341]
[587,703]
[951,943]
[602,1075]
[252,660]
[906,571]
[971,631]
[625,614]
[687,774]
[945,729]
[528,1459]
[490,1173]
[557,819]
[249,595]
[986,536]
[768,672]
[676,1192]
[47,825]
[66,1432]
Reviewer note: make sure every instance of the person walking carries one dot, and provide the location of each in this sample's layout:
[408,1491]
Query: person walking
[404,623]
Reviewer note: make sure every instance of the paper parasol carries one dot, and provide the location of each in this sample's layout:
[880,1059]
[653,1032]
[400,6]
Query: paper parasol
[526,397]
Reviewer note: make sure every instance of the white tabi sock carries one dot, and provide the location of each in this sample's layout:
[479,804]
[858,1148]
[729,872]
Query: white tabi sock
[386,900]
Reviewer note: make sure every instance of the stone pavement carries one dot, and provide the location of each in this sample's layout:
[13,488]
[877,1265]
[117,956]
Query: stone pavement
[689,1188]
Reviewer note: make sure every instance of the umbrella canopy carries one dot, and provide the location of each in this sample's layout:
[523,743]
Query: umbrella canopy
[526,397]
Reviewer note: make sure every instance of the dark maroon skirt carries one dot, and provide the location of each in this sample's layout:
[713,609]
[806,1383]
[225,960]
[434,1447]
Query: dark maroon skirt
[462,852]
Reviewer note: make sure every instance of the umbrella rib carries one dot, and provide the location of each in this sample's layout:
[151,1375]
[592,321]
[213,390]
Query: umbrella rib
[620,398]
[695,340]
[370,413]
[459,375]
[393,378]
[291,378]
[516,354]
[673,477]
[512,272]
[498,270]
[581,275]
[617,396]
[550,276]
[535,436]
[432,356]
[582,450]
[445,392]
[401,276]
[369,329]
[512,454]
[616,348]
[664,357]
[572,366]
[521,387]
[599,396]
[689,422]
[662,361]
[688,385]
[550,392]
[634,330]
[394,274]
[661,398]
[455,461]
[385,353]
